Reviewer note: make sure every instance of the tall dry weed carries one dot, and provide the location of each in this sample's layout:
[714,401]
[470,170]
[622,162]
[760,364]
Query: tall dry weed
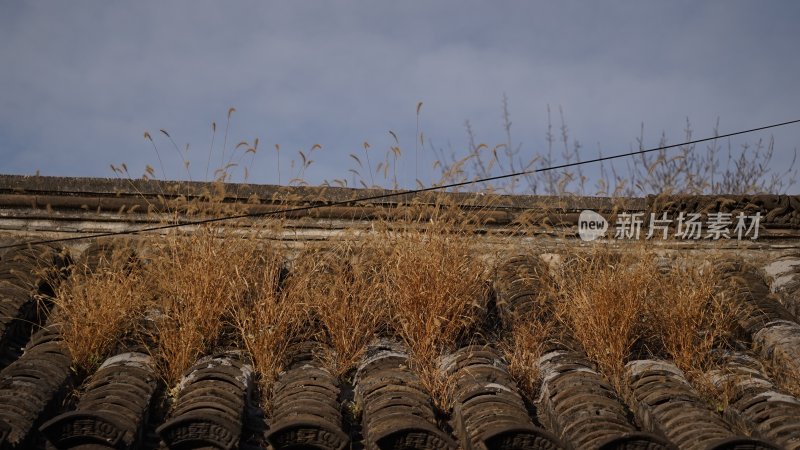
[201,280]
[690,316]
[100,304]
[436,292]
[604,302]
[625,305]
[522,348]
[342,289]
[269,323]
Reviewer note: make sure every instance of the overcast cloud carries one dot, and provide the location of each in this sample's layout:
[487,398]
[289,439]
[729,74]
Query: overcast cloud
[82,81]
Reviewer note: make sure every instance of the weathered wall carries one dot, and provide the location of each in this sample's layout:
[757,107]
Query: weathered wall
[53,207]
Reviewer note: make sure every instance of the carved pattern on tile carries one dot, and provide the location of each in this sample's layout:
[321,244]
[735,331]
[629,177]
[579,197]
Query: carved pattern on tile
[210,407]
[306,410]
[666,403]
[397,412]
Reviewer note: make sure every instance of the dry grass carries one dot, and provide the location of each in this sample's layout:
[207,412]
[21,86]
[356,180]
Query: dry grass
[522,349]
[342,290]
[421,280]
[622,305]
[192,293]
[692,316]
[418,276]
[603,302]
[98,306]
[268,323]
[435,291]
[203,280]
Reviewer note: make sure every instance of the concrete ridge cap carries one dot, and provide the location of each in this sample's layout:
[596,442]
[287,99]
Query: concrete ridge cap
[133,189]
[106,187]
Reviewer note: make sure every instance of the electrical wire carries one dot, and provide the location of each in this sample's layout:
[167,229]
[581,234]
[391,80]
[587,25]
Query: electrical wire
[387,194]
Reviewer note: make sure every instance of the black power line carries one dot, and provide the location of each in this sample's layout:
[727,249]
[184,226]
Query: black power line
[390,194]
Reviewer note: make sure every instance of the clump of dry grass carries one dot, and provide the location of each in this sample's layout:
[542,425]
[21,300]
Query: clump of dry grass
[522,349]
[342,290]
[603,301]
[201,280]
[622,306]
[197,291]
[268,323]
[98,305]
[435,291]
[691,317]
[212,286]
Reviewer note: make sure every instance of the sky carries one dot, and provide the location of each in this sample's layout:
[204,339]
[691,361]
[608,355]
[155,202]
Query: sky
[82,82]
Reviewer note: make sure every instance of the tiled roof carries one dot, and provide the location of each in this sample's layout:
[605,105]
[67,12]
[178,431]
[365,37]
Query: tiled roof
[44,402]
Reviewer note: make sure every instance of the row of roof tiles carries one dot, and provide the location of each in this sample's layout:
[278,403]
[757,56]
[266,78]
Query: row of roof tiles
[217,404]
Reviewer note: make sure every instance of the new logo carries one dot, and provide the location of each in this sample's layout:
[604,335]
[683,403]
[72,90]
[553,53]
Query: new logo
[591,225]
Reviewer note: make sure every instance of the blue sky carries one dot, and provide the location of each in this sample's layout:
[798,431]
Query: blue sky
[82,81]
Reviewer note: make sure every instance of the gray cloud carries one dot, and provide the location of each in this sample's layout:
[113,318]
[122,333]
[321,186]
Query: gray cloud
[82,81]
